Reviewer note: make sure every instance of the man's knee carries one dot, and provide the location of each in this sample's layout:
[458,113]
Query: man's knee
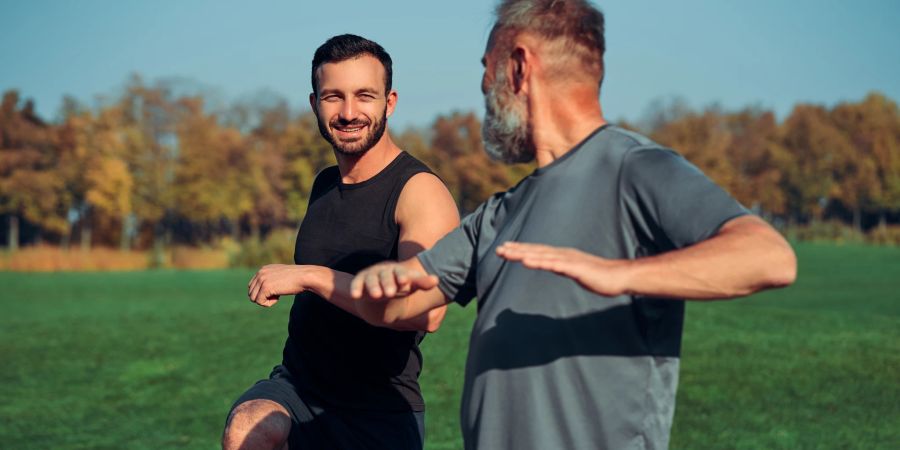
[255,425]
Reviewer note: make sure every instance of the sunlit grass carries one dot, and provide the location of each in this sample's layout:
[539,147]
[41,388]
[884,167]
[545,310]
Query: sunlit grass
[153,359]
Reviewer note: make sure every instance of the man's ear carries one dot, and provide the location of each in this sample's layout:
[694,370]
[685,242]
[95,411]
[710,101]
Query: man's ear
[312,100]
[391,103]
[520,65]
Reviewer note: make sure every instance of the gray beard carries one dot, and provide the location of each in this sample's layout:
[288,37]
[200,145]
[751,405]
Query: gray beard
[505,131]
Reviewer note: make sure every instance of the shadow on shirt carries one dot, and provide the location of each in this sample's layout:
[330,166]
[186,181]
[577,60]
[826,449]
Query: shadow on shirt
[647,327]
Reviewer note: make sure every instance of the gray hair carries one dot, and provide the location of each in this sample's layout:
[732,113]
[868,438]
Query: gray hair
[571,29]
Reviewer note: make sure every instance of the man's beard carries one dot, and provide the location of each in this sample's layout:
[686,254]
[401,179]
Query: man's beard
[505,131]
[360,146]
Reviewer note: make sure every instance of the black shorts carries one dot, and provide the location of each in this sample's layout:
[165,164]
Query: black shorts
[316,425]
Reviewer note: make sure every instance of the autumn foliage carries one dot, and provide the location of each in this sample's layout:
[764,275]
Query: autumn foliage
[160,168]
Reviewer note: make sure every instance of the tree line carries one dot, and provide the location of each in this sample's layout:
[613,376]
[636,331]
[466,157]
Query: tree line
[158,165]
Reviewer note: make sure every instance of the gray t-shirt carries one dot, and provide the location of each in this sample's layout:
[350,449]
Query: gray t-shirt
[554,366]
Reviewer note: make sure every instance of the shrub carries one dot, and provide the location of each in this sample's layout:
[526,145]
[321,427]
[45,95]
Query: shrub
[885,235]
[183,257]
[277,248]
[46,258]
[830,231]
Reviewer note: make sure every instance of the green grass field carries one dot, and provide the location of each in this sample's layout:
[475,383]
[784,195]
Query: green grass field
[153,360]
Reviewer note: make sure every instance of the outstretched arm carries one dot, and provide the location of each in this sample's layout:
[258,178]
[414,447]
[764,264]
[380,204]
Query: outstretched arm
[275,280]
[745,256]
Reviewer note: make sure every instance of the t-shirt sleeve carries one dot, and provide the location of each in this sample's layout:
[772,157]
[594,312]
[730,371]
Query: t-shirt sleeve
[453,259]
[671,196]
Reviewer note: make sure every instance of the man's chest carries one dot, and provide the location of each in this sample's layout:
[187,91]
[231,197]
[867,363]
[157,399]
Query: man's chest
[345,235]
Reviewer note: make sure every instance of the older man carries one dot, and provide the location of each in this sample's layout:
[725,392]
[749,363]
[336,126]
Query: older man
[578,334]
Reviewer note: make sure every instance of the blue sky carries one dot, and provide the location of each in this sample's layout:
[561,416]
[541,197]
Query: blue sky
[770,54]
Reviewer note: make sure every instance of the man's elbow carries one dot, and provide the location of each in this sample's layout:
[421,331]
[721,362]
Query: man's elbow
[777,262]
[780,269]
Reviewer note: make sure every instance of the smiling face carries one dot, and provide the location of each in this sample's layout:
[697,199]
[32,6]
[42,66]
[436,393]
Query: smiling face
[351,104]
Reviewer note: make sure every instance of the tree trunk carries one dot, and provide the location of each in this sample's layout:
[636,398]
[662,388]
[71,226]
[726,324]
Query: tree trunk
[85,235]
[235,230]
[254,229]
[159,259]
[125,236]
[13,233]
[66,238]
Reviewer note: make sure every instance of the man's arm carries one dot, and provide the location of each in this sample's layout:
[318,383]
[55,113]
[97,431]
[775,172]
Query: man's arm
[425,213]
[389,293]
[274,280]
[745,256]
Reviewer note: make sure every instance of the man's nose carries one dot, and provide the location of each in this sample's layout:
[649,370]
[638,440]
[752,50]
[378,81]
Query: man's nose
[348,110]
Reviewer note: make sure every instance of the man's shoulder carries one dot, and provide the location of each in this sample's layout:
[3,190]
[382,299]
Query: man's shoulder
[626,141]
[325,179]
[633,147]
[327,174]
[411,166]
[412,160]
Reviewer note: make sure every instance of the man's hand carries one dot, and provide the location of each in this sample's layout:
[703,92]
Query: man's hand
[274,280]
[745,256]
[390,280]
[598,275]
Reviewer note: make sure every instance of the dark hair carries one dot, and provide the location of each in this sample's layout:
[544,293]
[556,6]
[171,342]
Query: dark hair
[349,46]
[574,24]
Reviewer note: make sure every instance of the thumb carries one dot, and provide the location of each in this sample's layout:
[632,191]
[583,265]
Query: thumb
[424,282]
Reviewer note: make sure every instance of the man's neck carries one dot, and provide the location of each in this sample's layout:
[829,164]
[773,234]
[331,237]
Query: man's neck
[561,125]
[356,169]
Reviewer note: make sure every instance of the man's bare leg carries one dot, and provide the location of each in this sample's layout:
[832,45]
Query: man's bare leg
[257,425]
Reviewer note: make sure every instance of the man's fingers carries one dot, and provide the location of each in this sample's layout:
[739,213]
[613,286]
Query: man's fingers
[373,288]
[540,257]
[258,295]
[254,291]
[519,247]
[550,264]
[268,302]
[387,282]
[356,286]
[519,255]
[252,284]
[402,275]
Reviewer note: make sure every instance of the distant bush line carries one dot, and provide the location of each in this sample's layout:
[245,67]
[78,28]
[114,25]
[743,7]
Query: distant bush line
[158,171]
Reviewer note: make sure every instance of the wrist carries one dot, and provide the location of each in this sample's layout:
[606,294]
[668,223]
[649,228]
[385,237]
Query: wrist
[628,274]
[309,278]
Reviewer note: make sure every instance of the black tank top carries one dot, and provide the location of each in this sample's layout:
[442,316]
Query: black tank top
[330,352]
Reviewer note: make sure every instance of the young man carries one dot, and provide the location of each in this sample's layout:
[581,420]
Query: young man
[578,334]
[345,384]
